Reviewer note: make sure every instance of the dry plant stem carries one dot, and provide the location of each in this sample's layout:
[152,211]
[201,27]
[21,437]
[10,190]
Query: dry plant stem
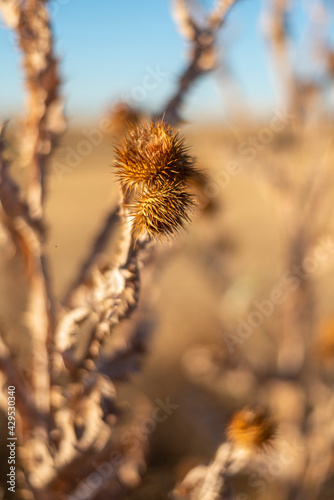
[24,222]
[82,466]
[187,80]
[277,35]
[202,57]
[216,18]
[112,297]
[44,123]
[18,224]
[214,485]
[35,402]
[211,482]
[44,120]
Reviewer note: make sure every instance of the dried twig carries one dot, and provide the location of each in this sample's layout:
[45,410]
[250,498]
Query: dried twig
[43,125]
[275,28]
[202,56]
[211,482]
[25,236]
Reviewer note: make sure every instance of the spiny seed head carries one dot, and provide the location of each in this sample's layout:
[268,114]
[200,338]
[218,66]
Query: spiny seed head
[155,168]
[252,429]
[153,154]
[161,211]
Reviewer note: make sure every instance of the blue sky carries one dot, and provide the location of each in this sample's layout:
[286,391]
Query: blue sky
[108,46]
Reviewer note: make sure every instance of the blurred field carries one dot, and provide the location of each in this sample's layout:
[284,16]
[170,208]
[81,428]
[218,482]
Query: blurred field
[226,259]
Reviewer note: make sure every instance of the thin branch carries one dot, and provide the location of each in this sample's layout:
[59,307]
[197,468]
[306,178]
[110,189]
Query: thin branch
[112,296]
[185,22]
[211,482]
[27,240]
[275,29]
[219,13]
[202,56]
[44,123]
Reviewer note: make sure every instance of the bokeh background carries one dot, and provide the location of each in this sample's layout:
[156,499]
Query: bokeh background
[264,208]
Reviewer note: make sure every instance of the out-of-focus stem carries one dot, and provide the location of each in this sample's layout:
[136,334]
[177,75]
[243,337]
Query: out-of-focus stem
[44,123]
[202,55]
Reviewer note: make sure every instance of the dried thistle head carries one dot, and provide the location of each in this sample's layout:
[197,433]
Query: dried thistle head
[161,211]
[252,429]
[153,154]
[155,168]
